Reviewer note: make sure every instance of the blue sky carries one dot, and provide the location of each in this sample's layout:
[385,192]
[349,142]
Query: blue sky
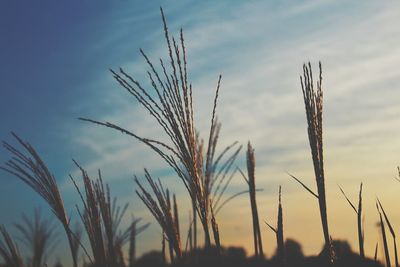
[55,60]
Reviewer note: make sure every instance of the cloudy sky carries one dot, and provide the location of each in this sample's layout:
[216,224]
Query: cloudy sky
[55,60]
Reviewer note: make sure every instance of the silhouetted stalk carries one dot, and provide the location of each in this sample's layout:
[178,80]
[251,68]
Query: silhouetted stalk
[280,240]
[358,211]
[398,174]
[189,238]
[385,245]
[281,255]
[38,235]
[77,233]
[391,232]
[194,229]
[9,251]
[176,217]
[132,245]
[258,249]
[376,252]
[313,102]
[164,257]
[31,169]
[176,230]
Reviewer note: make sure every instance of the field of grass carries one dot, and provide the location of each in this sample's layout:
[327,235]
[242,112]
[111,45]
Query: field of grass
[205,173]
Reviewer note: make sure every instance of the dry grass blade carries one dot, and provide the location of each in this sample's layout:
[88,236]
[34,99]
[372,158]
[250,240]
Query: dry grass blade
[391,232]
[232,197]
[9,251]
[358,211]
[270,227]
[313,102]
[252,191]
[385,245]
[376,252]
[31,169]
[303,185]
[398,174]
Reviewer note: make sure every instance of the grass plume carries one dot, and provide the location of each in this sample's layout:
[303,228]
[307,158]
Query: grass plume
[38,235]
[313,102]
[161,209]
[28,166]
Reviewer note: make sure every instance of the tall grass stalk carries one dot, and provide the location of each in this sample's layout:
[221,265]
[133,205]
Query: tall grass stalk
[360,226]
[391,232]
[281,255]
[258,249]
[313,102]
[28,166]
[383,231]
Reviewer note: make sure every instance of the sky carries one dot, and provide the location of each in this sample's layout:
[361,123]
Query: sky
[55,60]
